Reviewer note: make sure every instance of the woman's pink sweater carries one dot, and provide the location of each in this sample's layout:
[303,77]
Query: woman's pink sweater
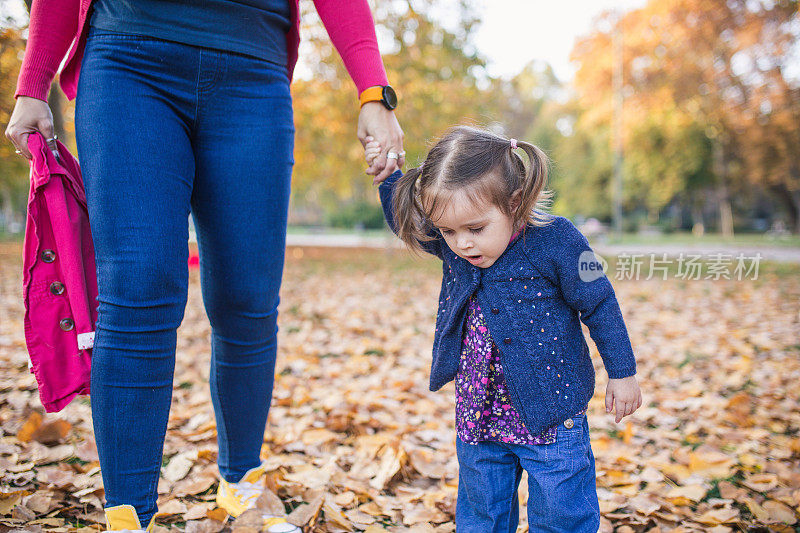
[60,26]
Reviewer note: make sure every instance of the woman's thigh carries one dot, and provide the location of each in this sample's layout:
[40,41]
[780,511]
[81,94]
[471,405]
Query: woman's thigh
[133,120]
[243,148]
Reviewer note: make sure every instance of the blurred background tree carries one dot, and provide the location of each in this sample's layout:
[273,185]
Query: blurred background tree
[13,169]
[708,104]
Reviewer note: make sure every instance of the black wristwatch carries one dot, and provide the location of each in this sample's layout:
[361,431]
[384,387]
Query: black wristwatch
[379,93]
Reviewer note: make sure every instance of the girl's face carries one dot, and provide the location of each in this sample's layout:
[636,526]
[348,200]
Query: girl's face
[476,230]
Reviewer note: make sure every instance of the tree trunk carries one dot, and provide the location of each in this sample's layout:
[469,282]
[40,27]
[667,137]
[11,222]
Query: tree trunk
[725,212]
[790,200]
[723,196]
[698,228]
[6,208]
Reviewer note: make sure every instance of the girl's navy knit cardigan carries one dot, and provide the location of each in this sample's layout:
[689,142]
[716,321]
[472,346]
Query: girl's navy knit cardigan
[533,299]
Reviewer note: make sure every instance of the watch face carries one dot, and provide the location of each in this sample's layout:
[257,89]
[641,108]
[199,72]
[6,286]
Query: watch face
[389,97]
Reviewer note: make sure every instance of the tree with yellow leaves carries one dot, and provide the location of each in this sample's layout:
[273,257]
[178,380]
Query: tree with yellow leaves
[701,77]
[435,71]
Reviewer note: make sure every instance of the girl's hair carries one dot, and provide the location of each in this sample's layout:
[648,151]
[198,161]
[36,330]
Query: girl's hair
[482,165]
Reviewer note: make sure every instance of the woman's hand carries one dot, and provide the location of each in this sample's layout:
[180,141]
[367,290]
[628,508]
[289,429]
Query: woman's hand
[624,394]
[31,115]
[377,122]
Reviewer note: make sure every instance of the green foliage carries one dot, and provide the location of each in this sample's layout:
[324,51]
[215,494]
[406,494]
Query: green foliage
[669,153]
[360,214]
[13,169]
[583,168]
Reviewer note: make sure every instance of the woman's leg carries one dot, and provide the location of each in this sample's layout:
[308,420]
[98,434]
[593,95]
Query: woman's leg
[243,148]
[138,167]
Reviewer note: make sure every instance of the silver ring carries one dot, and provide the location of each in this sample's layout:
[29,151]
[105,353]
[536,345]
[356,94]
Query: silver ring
[18,152]
[403,153]
[391,155]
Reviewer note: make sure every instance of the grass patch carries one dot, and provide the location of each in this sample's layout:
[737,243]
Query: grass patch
[690,357]
[714,492]
[741,239]
[691,443]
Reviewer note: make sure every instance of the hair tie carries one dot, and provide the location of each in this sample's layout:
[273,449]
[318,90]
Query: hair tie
[513,144]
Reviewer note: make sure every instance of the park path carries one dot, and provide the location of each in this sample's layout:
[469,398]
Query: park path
[707,251]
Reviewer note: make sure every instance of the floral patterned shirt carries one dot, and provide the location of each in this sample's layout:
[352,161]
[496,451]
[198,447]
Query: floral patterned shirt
[483,404]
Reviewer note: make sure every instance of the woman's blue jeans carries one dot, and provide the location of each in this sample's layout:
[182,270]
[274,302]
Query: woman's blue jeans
[165,129]
[562,492]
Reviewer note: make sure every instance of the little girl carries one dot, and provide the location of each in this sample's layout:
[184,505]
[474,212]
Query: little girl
[517,282]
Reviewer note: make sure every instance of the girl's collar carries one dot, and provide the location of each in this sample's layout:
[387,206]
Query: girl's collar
[516,235]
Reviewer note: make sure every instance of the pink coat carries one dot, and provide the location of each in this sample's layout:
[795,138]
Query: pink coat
[59,278]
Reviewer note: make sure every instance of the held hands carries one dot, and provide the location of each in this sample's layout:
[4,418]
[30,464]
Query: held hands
[377,123]
[371,150]
[624,395]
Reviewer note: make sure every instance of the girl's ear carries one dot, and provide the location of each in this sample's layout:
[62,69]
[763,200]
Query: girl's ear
[516,200]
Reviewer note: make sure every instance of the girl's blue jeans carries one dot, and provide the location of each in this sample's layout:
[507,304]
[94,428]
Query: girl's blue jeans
[562,495]
[165,129]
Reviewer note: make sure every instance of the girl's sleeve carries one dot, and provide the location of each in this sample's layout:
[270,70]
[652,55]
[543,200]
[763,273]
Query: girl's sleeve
[351,28]
[586,289]
[386,191]
[53,25]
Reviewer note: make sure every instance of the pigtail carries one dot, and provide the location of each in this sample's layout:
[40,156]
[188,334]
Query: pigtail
[408,215]
[535,197]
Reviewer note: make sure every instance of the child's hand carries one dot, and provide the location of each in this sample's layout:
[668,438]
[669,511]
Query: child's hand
[624,394]
[371,150]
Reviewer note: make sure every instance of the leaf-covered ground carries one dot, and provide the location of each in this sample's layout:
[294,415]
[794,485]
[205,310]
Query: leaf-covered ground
[356,442]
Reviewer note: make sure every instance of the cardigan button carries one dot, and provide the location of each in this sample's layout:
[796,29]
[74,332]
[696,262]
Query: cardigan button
[568,423]
[66,324]
[507,340]
[57,288]
[48,256]
[495,310]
